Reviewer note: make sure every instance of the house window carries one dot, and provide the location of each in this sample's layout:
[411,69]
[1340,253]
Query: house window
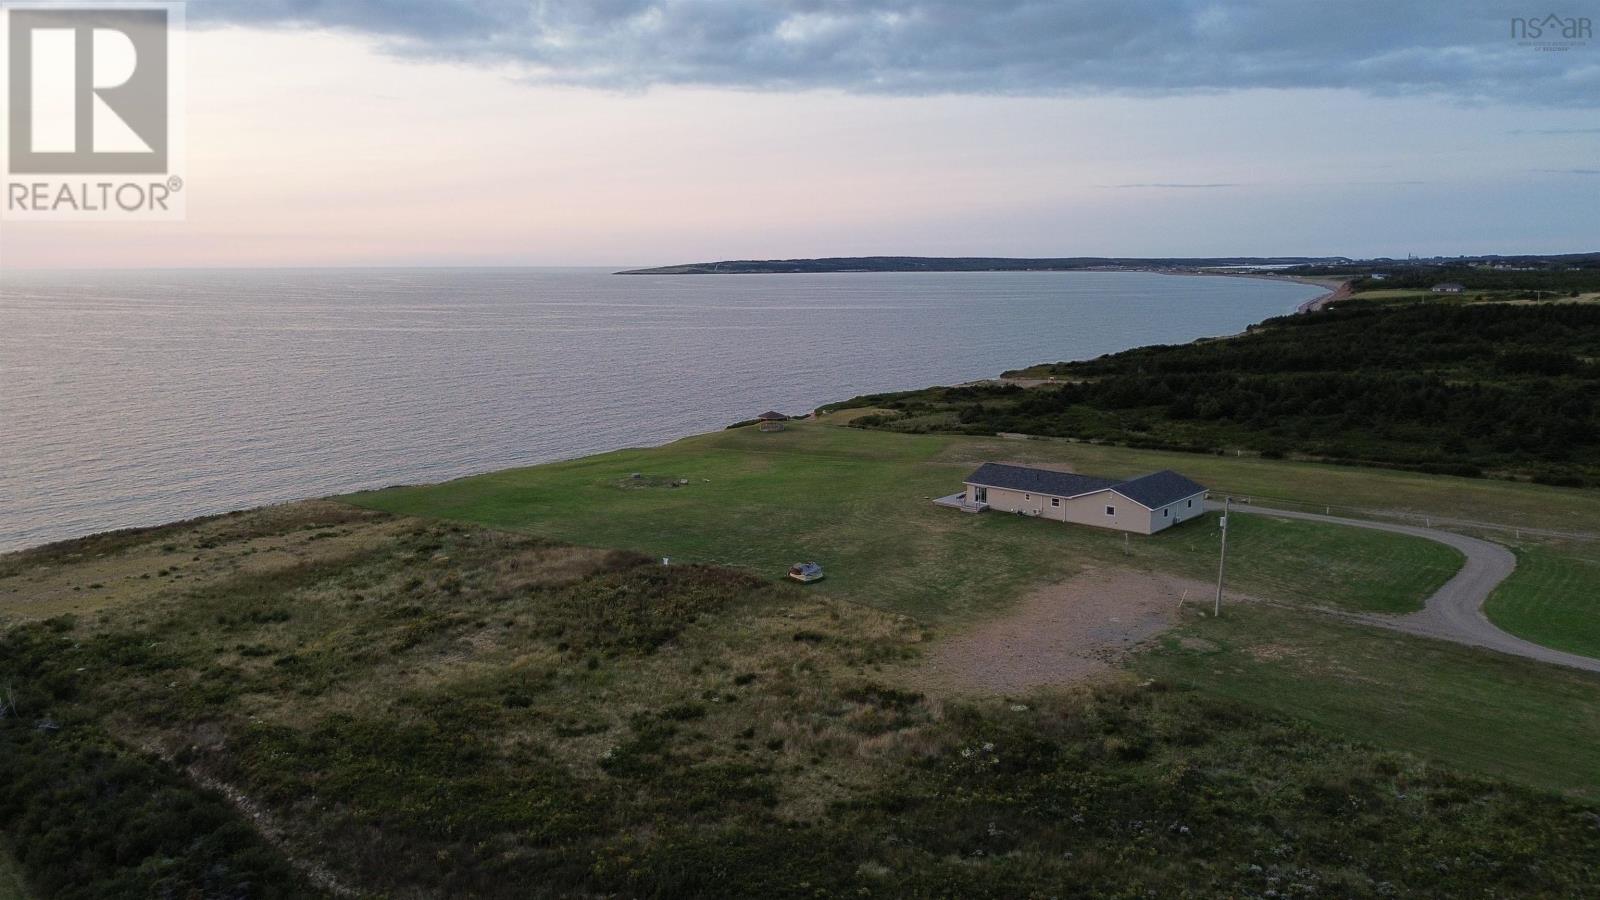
[1055,501]
[1189,503]
[1111,510]
[1027,496]
[1165,513]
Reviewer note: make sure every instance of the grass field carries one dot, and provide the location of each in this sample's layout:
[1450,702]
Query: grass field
[424,708]
[1342,568]
[858,501]
[1554,596]
[1469,708]
[1406,294]
[420,706]
[1313,485]
[774,498]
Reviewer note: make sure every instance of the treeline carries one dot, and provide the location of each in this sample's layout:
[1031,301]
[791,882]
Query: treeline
[1555,281]
[1461,389]
[1563,273]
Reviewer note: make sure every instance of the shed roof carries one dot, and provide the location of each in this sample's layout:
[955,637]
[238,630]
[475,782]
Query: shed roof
[771,416]
[1154,490]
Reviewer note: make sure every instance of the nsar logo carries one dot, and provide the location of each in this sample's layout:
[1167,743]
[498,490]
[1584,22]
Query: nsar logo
[1552,32]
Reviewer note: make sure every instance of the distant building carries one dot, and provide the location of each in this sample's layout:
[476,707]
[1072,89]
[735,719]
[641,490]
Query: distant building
[1379,276]
[771,421]
[1142,505]
[1448,287]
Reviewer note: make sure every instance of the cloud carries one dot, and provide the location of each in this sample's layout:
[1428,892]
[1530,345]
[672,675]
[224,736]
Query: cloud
[1569,171]
[1555,131]
[1460,50]
[1177,184]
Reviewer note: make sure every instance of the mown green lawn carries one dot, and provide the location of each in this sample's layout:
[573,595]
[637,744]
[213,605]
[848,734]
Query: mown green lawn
[1307,562]
[1310,485]
[858,502]
[1469,708]
[1553,598]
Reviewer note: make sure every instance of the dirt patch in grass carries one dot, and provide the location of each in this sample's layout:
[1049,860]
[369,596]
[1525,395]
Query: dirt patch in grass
[1059,634]
[642,480]
[1275,652]
[545,566]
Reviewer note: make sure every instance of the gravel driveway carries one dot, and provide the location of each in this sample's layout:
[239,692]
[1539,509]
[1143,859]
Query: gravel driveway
[1455,611]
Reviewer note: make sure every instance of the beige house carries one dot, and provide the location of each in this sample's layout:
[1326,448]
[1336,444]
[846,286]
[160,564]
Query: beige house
[1142,505]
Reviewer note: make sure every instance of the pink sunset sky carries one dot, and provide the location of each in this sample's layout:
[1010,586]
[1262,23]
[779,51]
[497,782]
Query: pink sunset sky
[338,143]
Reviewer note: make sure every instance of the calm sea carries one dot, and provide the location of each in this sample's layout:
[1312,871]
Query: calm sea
[133,398]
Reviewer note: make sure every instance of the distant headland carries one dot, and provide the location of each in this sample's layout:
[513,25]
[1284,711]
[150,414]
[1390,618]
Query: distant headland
[984,264]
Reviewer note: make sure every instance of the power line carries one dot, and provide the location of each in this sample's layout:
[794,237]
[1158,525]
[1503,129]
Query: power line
[1222,558]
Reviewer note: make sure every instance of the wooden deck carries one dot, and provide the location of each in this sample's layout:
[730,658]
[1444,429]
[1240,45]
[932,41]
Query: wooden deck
[959,501]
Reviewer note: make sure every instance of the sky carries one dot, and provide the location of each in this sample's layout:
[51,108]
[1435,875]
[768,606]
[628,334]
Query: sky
[642,132]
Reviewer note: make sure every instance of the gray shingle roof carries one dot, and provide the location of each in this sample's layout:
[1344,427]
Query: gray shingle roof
[1159,488]
[1154,490]
[1037,481]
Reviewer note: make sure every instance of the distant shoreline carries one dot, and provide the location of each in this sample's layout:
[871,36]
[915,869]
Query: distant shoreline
[1241,267]
[868,264]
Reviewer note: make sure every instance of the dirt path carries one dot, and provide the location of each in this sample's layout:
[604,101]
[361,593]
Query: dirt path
[1084,626]
[1455,611]
[1060,633]
[1315,303]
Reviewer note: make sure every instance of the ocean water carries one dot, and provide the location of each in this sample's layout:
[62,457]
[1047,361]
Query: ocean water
[134,398]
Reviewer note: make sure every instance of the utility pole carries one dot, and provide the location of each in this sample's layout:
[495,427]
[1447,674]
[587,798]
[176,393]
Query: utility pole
[1222,560]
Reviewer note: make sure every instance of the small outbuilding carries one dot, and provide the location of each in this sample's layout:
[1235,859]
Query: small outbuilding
[1448,287]
[771,421]
[805,572]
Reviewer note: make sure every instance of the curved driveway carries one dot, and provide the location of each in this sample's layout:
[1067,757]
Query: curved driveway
[1455,611]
